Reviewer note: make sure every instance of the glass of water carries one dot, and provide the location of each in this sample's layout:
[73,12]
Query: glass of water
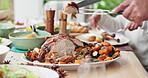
[91,70]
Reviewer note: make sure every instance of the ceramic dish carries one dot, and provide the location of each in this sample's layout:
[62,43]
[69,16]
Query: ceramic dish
[123,39]
[37,71]
[28,43]
[6,29]
[3,52]
[67,66]
[5,42]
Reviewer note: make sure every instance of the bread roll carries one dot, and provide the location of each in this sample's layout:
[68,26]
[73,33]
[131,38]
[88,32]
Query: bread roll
[78,29]
[84,30]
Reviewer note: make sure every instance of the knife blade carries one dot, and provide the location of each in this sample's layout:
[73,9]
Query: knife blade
[86,2]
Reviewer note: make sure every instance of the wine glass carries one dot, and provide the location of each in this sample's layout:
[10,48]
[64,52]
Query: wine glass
[89,70]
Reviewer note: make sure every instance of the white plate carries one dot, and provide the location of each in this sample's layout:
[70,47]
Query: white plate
[67,66]
[4,49]
[38,71]
[5,42]
[20,27]
[123,39]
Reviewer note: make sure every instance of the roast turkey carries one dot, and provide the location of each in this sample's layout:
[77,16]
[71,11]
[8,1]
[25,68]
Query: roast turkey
[59,44]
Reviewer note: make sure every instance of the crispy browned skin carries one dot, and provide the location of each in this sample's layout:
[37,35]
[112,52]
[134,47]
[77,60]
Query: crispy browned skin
[73,4]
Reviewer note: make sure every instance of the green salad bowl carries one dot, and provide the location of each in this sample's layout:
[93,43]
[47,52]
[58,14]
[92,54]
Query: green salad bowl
[19,42]
[6,29]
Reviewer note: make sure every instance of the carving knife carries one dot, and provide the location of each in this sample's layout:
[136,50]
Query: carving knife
[87,2]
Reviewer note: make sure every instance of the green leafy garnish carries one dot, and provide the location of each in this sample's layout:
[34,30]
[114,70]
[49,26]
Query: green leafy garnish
[0,40]
[16,73]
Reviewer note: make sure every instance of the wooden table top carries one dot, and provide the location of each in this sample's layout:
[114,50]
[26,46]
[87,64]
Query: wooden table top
[128,66]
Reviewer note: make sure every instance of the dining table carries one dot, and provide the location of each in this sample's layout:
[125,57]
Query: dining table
[127,66]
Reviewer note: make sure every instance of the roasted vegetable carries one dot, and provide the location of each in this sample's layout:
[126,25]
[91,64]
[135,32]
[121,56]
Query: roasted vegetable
[91,38]
[95,54]
[102,57]
[108,58]
[77,61]
[99,39]
[1,73]
[106,44]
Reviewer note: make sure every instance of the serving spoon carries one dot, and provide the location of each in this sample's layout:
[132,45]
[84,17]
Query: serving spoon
[34,32]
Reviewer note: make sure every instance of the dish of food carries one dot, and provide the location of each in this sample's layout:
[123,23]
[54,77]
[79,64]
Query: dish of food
[114,39]
[4,41]
[65,50]
[18,39]
[22,71]
[6,29]
[32,35]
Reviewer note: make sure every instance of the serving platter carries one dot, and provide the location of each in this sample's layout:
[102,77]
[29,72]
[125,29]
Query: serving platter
[66,66]
[37,71]
[123,39]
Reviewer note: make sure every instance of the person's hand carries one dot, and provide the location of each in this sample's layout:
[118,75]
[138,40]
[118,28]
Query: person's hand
[94,19]
[131,26]
[134,10]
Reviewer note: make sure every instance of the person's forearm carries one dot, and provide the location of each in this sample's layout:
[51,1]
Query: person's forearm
[111,24]
[134,10]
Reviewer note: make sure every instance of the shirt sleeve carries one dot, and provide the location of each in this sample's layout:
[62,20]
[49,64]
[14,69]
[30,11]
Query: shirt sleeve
[145,26]
[112,24]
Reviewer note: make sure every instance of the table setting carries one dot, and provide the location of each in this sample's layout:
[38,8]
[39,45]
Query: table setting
[69,49]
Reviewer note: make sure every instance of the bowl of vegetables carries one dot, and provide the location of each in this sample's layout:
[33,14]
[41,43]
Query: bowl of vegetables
[3,52]
[6,29]
[28,39]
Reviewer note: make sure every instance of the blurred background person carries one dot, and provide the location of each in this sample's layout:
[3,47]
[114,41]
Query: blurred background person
[6,10]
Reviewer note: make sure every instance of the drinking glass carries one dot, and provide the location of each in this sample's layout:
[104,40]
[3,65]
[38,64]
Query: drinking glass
[89,70]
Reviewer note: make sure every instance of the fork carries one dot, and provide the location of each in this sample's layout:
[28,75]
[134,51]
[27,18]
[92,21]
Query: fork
[101,12]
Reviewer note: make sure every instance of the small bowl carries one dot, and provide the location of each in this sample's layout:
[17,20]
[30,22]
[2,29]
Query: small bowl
[3,52]
[28,43]
[6,29]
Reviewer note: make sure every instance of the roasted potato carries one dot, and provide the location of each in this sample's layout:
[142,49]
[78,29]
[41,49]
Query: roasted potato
[91,38]
[99,39]
[106,44]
